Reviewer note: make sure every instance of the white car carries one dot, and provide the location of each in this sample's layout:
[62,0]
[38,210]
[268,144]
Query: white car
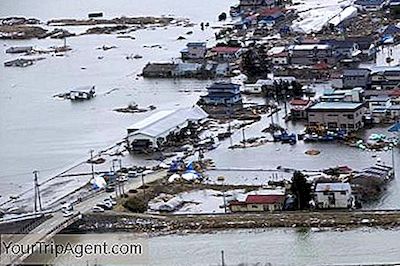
[67,207]
[108,200]
[97,209]
[67,214]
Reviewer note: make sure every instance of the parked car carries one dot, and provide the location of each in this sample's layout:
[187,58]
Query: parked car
[109,200]
[105,205]
[122,179]
[110,188]
[132,174]
[67,207]
[67,214]
[97,209]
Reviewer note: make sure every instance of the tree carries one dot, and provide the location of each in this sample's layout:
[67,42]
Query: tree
[301,189]
[253,64]
[135,204]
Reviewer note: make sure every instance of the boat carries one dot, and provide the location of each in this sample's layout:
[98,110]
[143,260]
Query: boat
[79,94]
[82,93]
[137,56]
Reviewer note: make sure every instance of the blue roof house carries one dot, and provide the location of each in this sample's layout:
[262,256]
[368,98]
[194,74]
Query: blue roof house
[221,93]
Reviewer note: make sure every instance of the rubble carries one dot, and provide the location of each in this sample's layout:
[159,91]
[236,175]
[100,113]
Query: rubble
[20,32]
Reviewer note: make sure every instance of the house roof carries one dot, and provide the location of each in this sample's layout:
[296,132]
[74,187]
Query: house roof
[339,43]
[281,54]
[225,49]
[390,30]
[338,106]
[364,42]
[299,102]
[394,93]
[369,2]
[196,44]
[274,12]
[300,47]
[321,187]
[357,72]
[265,199]
[321,66]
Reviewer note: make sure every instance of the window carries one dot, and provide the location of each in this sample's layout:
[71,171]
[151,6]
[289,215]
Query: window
[332,125]
[342,125]
[350,116]
[254,206]
[350,126]
[342,192]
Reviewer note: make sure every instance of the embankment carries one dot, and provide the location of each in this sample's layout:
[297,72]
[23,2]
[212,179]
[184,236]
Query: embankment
[169,224]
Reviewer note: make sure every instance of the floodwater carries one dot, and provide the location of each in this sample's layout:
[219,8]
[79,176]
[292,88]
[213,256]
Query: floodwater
[40,132]
[363,246]
[278,247]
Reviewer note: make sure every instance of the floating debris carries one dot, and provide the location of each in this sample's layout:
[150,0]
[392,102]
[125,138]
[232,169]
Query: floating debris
[21,62]
[106,47]
[19,50]
[312,152]
[134,108]
[95,15]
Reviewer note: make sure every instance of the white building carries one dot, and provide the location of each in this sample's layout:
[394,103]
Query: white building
[152,132]
[333,195]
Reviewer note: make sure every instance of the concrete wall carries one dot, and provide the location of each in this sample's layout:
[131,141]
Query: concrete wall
[344,120]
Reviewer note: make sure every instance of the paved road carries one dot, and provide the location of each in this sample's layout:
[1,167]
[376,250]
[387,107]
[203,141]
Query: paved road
[57,222]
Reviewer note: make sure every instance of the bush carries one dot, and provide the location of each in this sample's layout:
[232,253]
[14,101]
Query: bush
[135,204]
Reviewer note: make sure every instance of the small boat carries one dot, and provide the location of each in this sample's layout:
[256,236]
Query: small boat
[79,94]
[83,93]
[137,56]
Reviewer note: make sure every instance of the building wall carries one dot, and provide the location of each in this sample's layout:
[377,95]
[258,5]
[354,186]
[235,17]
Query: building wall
[196,52]
[298,114]
[337,119]
[336,199]
[305,60]
[355,81]
[256,207]
[279,60]
[223,100]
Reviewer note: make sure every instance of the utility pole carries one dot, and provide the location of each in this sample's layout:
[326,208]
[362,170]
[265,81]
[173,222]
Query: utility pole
[144,189]
[244,137]
[393,163]
[229,125]
[91,162]
[38,201]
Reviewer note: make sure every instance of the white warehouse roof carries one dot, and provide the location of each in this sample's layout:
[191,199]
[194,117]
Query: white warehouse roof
[163,122]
